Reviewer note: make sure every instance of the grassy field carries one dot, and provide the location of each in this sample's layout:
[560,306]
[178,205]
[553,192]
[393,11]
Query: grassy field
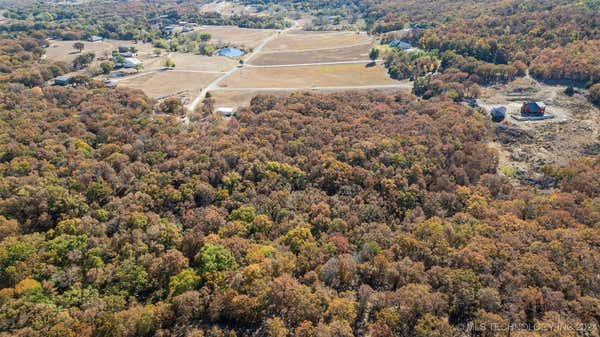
[168,82]
[243,37]
[309,76]
[64,51]
[358,52]
[191,62]
[303,40]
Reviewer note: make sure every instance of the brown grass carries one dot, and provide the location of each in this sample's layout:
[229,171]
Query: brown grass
[302,40]
[169,82]
[191,62]
[63,50]
[243,37]
[359,52]
[308,76]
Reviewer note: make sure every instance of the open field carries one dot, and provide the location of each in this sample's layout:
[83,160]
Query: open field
[64,51]
[357,52]
[191,62]
[309,76]
[304,40]
[168,82]
[243,37]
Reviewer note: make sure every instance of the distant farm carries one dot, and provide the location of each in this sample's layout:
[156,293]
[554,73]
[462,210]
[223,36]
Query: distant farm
[272,61]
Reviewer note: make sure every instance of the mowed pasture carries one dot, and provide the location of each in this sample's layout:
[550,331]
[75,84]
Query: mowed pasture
[64,51]
[168,82]
[353,53]
[305,40]
[297,77]
[242,37]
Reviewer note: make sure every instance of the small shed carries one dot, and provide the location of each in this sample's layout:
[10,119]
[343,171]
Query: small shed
[226,111]
[95,38]
[400,44]
[131,62]
[62,80]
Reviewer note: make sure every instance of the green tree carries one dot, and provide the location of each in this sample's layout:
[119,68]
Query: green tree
[215,258]
[186,280]
[205,37]
[374,54]
[107,67]
[79,46]
[138,67]
[244,213]
[169,63]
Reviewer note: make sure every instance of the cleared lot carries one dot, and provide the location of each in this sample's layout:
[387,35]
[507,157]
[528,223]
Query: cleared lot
[191,62]
[303,40]
[358,52]
[64,51]
[309,76]
[168,82]
[243,37]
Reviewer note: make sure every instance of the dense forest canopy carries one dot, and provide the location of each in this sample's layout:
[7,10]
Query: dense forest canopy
[373,213]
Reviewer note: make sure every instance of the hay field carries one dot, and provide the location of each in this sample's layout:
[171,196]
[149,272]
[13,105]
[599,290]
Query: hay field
[305,40]
[342,75]
[354,53]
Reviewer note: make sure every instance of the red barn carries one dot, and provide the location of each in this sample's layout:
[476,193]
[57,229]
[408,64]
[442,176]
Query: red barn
[533,109]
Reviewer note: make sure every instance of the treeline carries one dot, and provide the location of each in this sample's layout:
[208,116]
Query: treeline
[19,62]
[132,20]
